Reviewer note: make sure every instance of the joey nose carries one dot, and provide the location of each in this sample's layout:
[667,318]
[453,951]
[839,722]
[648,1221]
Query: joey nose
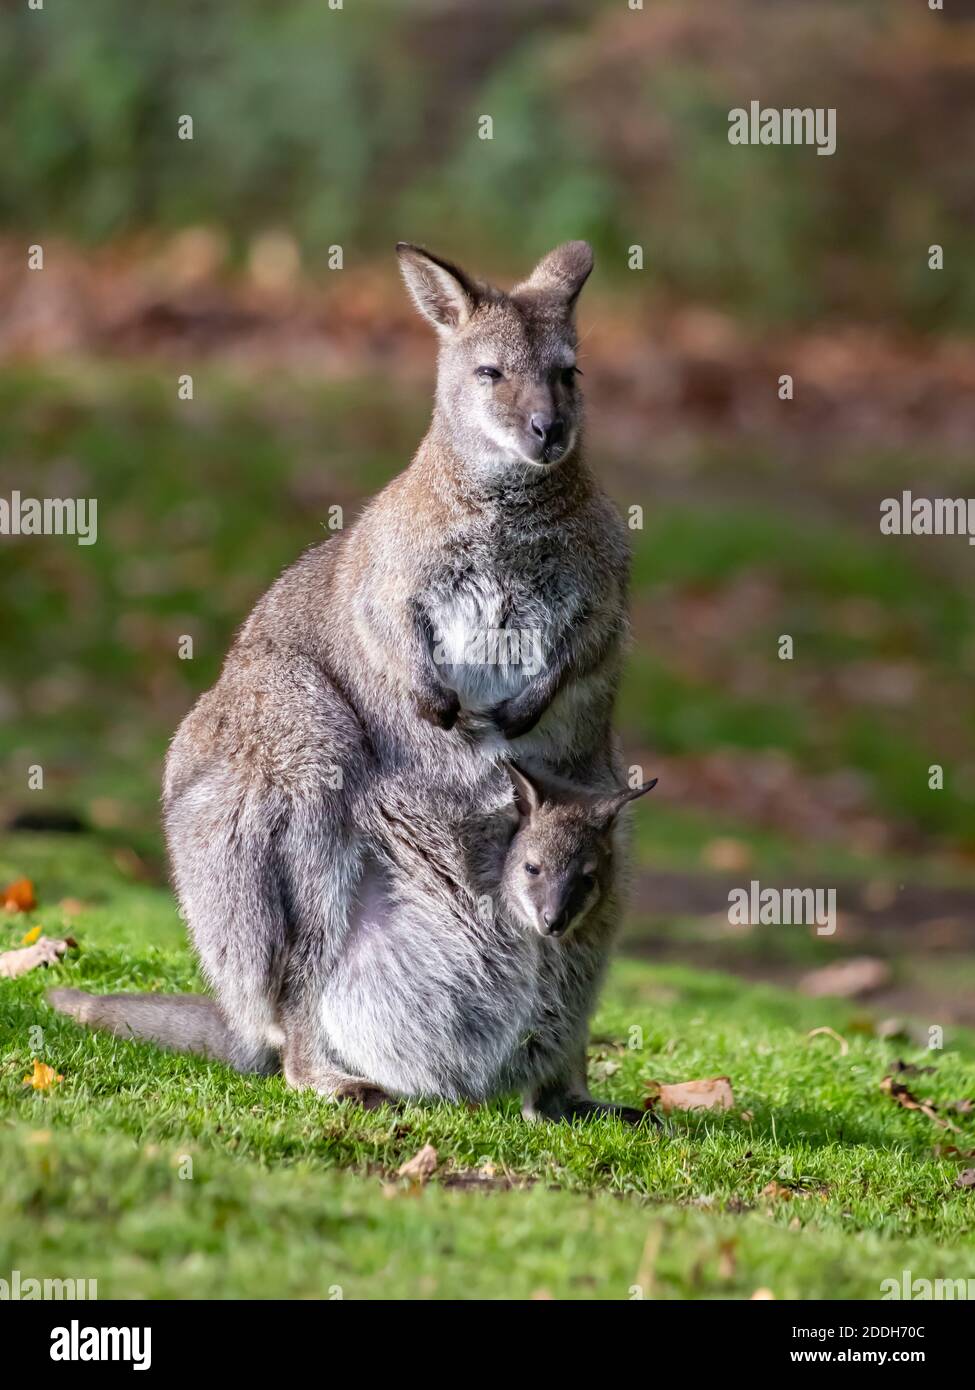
[555,922]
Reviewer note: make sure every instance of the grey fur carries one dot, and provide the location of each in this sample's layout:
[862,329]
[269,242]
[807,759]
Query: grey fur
[351,731]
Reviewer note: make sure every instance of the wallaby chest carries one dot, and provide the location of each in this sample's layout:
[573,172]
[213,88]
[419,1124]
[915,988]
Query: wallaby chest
[495,609]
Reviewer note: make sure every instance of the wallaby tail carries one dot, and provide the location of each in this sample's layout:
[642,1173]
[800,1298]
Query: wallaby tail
[180,1022]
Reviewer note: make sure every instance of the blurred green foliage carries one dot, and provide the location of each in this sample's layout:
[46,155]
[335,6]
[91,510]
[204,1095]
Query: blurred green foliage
[203,503]
[359,126]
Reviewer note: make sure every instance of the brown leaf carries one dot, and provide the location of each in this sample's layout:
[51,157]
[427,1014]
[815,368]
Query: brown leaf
[43,1077]
[966,1178]
[902,1068]
[847,979]
[19,896]
[714,1093]
[899,1092]
[421,1166]
[727,1258]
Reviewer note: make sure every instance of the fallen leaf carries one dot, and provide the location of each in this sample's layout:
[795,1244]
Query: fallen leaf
[30,937]
[847,979]
[830,1033]
[43,1077]
[889,1028]
[899,1092]
[962,1107]
[71,907]
[714,1093]
[19,896]
[966,1178]
[421,1166]
[910,1068]
[779,1190]
[727,1261]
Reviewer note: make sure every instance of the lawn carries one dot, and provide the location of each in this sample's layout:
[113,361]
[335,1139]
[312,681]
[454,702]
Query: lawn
[161,1175]
[168,1176]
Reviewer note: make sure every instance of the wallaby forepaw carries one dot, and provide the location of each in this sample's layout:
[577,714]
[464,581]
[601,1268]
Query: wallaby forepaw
[513,720]
[439,709]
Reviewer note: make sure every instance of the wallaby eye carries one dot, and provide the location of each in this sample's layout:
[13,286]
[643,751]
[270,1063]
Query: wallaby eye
[587,880]
[532,869]
[569,375]
[488,374]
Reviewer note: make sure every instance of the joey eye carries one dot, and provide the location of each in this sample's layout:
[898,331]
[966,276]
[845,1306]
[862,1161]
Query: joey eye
[569,375]
[587,880]
[488,374]
[532,869]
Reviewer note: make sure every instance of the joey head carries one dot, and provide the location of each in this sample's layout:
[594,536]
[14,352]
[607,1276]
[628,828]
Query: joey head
[560,861]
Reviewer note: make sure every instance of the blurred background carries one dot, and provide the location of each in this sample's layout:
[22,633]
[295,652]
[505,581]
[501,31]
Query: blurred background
[316,129]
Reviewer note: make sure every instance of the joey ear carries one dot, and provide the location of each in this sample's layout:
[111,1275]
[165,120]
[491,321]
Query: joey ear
[441,291]
[563,271]
[610,806]
[528,794]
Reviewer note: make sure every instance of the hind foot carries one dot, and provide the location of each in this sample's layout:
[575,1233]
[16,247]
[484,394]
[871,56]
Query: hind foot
[336,1085]
[364,1093]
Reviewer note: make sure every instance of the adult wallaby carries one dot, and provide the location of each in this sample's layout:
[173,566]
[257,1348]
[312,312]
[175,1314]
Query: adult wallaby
[486,961]
[475,610]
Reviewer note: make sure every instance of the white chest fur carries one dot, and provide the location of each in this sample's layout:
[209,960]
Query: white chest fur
[480,651]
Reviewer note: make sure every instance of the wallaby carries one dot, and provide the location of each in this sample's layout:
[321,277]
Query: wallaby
[476,609]
[483,996]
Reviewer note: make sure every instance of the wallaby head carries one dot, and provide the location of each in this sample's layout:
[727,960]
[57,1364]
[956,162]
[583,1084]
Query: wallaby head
[507,390]
[559,862]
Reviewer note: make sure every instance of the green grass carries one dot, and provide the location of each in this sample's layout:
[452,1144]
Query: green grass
[169,1176]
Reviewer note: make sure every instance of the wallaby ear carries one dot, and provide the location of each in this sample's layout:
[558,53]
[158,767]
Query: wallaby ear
[529,795]
[441,291]
[610,806]
[563,271]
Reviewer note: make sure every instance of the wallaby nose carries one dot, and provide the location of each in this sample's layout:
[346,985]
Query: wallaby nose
[548,428]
